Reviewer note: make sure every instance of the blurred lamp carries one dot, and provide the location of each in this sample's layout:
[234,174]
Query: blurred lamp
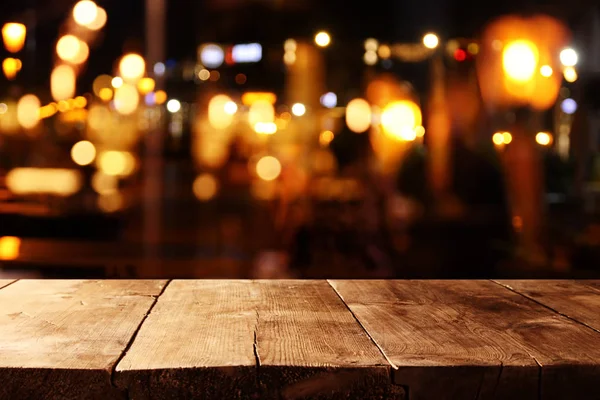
[298,109]
[268,168]
[83,153]
[568,57]
[431,41]
[126,99]
[173,106]
[212,55]
[519,60]
[358,115]
[132,67]
[329,100]
[146,85]
[218,115]
[568,106]
[543,138]
[62,82]
[322,39]
[570,74]
[85,12]
[13,35]
[100,20]
[28,109]
[11,67]
[399,120]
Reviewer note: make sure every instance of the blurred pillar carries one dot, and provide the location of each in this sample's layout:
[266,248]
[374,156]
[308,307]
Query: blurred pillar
[153,163]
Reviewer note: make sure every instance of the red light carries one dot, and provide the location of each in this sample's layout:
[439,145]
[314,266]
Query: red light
[460,55]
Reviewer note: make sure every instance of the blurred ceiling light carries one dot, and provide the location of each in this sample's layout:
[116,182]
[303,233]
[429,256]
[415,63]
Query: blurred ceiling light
[83,153]
[132,67]
[268,168]
[173,106]
[160,97]
[265,128]
[358,115]
[13,35]
[246,53]
[519,60]
[322,39]
[568,57]
[60,182]
[329,100]
[298,109]
[9,247]
[250,98]
[116,82]
[543,138]
[62,82]
[126,99]
[28,111]
[370,57]
[212,55]
[290,45]
[371,44]
[546,71]
[146,85]
[159,69]
[570,74]
[400,118]
[100,20]
[205,187]
[218,115]
[11,67]
[431,41]
[85,12]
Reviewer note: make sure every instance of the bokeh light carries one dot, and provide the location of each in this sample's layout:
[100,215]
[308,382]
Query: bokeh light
[132,67]
[28,111]
[519,60]
[543,138]
[570,74]
[205,187]
[568,57]
[13,35]
[322,39]
[62,82]
[9,247]
[546,71]
[85,12]
[431,41]
[126,99]
[268,168]
[100,20]
[83,153]
[218,115]
[298,109]
[173,106]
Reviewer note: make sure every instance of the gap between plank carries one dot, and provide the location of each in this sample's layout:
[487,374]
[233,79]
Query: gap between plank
[135,333]
[394,366]
[9,283]
[545,306]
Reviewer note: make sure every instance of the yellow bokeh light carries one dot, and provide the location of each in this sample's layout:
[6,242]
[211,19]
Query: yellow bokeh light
[325,138]
[60,182]
[100,20]
[83,153]
[160,97]
[63,106]
[431,41]
[384,51]
[298,109]
[10,67]
[204,74]
[28,109]
[473,48]
[519,60]
[116,82]
[132,67]
[205,187]
[105,94]
[85,12]
[290,45]
[116,163]
[146,85]
[111,202]
[370,57]
[218,117]
[506,137]
[543,138]
[570,74]
[101,82]
[62,82]
[230,107]
[420,131]
[13,35]
[400,118]
[68,47]
[9,247]
[79,102]
[546,71]
[104,184]
[289,57]
[371,44]
[126,99]
[265,128]
[322,39]
[261,111]
[268,168]
[358,115]
[498,139]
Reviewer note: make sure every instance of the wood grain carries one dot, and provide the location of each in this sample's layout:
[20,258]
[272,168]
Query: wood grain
[60,339]
[310,346]
[472,339]
[198,342]
[6,282]
[578,300]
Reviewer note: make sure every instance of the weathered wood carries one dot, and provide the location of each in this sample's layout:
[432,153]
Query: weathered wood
[472,339]
[310,346]
[6,282]
[60,339]
[198,342]
[578,300]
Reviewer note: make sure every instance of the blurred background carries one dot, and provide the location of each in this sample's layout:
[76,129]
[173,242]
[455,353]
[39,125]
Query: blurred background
[302,139]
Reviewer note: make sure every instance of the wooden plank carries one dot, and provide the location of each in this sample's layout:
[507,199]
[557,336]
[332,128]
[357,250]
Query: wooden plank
[198,342]
[578,300]
[61,338]
[449,338]
[6,282]
[310,346]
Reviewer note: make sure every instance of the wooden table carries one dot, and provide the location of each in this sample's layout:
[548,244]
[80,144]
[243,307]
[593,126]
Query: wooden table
[230,339]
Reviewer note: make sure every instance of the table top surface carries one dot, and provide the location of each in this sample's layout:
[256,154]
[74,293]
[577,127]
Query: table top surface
[296,339]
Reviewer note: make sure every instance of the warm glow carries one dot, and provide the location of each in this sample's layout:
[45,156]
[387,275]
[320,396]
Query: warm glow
[69,48]
[384,51]
[105,94]
[370,57]
[13,35]
[160,97]
[60,182]
[420,131]
[116,163]
[205,187]
[230,107]
[570,74]
[116,82]
[85,12]
[358,115]
[261,111]
[506,137]
[322,39]
[268,168]
[146,85]
[543,138]
[11,67]
[568,57]
[400,119]
[101,82]
[132,67]
[298,109]
[218,115]
[104,184]
[100,20]
[126,99]
[62,82]
[265,128]
[325,138]
[498,139]
[173,106]
[519,60]
[28,111]
[431,41]
[83,153]
[250,98]
[79,102]
[9,247]
[546,71]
